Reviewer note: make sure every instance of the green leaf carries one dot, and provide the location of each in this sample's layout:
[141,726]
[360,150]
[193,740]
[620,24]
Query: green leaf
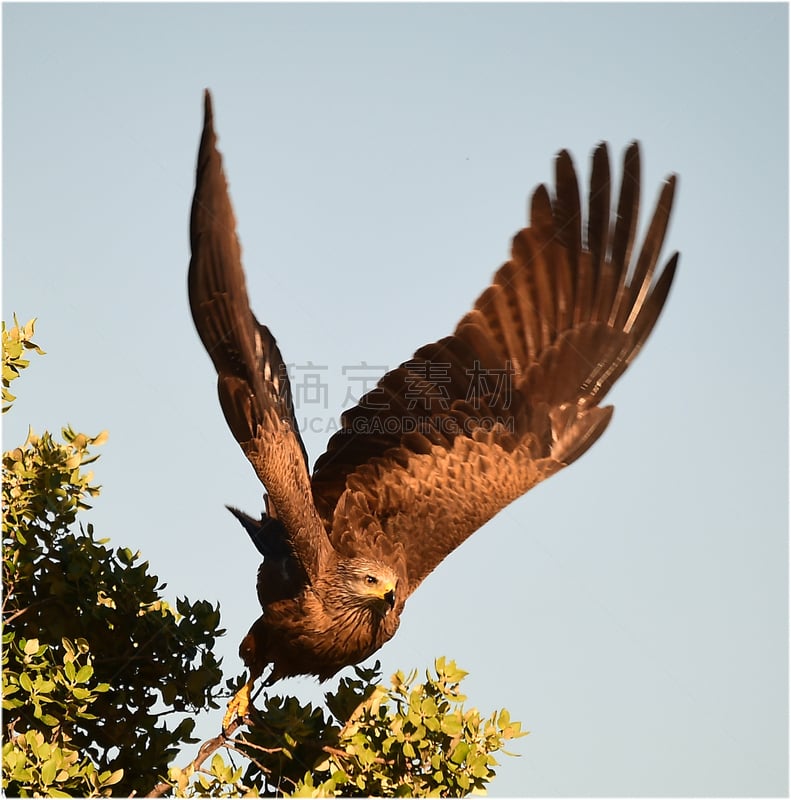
[84,674]
[460,753]
[451,725]
[428,706]
[110,779]
[48,770]
[31,647]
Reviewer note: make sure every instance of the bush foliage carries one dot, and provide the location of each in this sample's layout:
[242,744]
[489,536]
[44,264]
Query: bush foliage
[102,677]
[71,600]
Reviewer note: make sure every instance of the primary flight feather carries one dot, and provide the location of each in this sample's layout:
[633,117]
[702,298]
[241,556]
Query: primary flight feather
[445,441]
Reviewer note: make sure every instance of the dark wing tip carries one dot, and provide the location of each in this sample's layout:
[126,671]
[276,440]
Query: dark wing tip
[662,286]
[541,211]
[632,164]
[602,150]
[208,117]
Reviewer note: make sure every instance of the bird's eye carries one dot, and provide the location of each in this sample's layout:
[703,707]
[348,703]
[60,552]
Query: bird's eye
[370,580]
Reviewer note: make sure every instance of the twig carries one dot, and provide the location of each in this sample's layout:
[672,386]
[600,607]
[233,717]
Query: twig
[248,743]
[24,610]
[231,745]
[335,751]
[206,749]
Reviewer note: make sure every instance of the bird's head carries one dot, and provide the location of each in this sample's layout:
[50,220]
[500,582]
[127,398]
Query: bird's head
[369,584]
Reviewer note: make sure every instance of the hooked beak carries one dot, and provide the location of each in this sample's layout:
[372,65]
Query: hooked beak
[389,597]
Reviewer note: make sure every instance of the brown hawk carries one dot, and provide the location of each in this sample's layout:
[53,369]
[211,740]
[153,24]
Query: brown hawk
[430,454]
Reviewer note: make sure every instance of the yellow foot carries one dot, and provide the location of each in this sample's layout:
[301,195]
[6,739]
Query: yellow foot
[239,707]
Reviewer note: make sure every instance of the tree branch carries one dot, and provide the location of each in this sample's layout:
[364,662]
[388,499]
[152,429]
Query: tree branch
[206,749]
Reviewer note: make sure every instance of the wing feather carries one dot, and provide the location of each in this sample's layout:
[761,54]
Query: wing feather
[252,380]
[568,217]
[522,377]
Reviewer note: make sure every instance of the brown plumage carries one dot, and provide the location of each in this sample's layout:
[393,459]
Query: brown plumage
[446,440]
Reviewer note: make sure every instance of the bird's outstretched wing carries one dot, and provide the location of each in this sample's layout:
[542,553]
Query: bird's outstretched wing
[252,381]
[473,421]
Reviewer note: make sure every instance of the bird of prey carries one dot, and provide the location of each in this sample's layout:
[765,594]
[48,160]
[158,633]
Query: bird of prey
[445,441]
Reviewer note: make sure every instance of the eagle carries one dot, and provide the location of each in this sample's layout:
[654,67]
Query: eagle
[443,442]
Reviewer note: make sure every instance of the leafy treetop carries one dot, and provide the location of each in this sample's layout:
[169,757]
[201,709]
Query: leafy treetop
[102,678]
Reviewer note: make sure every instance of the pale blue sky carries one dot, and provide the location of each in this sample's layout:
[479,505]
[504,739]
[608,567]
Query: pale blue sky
[631,611]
